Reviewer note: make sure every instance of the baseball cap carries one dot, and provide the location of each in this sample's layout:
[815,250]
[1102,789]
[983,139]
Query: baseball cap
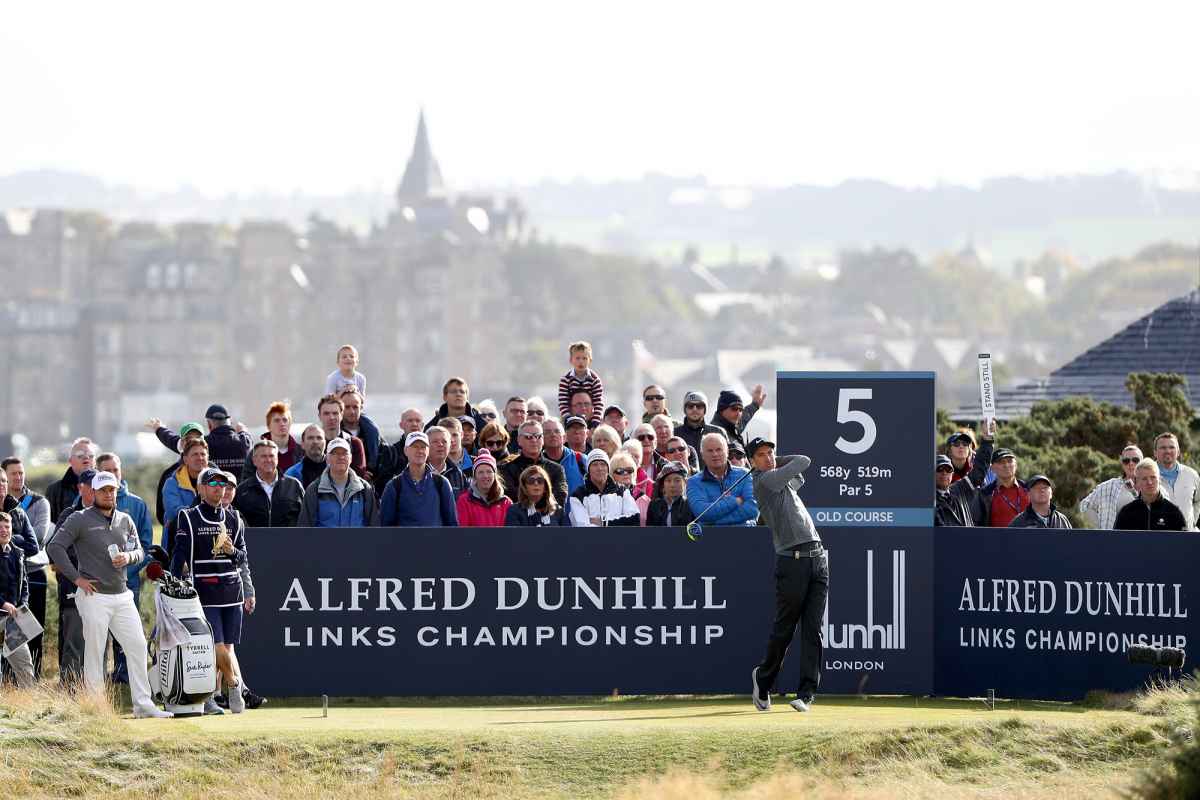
[616,408]
[696,397]
[467,419]
[1039,479]
[337,443]
[672,468]
[574,419]
[216,411]
[213,475]
[960,436]
[755,443]
[103,479]
[942,461]
[188,427]
[87,476]
[414,437]
[736,449]
[1002,453]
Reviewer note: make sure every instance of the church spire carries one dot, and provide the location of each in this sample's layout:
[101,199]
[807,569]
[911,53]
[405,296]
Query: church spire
[422,179]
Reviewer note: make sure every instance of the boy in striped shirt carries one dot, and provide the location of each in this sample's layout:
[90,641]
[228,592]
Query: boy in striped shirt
[581,376]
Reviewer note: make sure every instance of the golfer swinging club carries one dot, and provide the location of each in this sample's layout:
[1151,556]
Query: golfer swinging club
[801,573]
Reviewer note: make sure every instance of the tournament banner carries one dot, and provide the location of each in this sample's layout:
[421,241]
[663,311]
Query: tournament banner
[878,629]
[553,611]
[507,611]
[1052,614]
[869,436]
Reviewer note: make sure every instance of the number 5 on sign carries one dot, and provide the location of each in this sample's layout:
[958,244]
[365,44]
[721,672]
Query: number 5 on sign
[847,415]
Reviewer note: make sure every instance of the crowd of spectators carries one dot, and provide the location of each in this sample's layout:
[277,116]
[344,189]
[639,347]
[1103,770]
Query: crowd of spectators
[977,485]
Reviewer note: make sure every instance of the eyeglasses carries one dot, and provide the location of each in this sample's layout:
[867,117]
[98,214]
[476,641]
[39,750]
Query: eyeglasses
[487,415]
[216,482]
[945,469]
[676,449]
[622,471]
[736,408]
[495,443]
[531,436]
[1130,460]
[646,437]
[533,481]
[535,414]
[693,405]
[655,397]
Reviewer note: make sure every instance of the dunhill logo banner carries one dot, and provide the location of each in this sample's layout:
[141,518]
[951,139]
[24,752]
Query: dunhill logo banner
[869,635]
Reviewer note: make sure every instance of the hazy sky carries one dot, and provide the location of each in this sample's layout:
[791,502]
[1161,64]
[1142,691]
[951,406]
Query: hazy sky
[324,97]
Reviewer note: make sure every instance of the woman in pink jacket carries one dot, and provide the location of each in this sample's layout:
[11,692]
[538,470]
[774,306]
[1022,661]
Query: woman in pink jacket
[483,504]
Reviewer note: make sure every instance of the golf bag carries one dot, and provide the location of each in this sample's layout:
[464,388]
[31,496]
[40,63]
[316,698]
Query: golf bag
[183,676]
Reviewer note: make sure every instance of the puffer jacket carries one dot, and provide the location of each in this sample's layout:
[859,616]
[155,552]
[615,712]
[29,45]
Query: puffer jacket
[321,508]
[613,505]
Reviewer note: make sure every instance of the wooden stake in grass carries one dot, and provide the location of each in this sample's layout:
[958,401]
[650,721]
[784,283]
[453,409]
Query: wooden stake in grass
[325,706]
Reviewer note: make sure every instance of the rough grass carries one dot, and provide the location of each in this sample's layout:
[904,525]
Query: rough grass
[54,746]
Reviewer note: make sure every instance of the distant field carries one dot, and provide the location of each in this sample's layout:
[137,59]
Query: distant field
[673,747]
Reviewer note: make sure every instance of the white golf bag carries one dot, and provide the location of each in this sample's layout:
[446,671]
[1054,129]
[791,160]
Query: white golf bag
[184,675]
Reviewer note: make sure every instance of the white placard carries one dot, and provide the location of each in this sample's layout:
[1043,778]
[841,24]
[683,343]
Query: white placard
[987,387]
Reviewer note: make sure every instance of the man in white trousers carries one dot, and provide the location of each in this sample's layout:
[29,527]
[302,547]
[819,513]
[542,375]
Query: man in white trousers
[105,542]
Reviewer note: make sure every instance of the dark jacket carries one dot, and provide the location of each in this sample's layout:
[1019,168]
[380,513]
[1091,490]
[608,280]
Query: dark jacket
[1161,515]
[954,507]
[522,517]
[656,512]
[372,441]
[66,589]
[227,448]
[286,460]
[62,494]
[428,503]
[306,471]
[457,478]
[321,508]
[733,432]
[511,473]
[444,412]
[24,538]
[216,577]
[981,502]
[280,510]
[159,506]
[1029,519]
[693,435]
[14,585]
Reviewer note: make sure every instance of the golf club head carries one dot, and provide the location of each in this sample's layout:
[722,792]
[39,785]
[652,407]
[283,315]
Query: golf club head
[694,531]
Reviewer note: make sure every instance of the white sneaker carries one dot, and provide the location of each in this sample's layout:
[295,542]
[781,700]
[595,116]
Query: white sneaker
[762,704]
[153,712]
[237,703]
[799,705]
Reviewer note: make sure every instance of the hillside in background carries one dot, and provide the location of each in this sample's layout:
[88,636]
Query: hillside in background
[1007,221]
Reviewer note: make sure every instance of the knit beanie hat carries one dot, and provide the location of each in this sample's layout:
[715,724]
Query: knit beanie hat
[727,398]
[484,457]
[597,454]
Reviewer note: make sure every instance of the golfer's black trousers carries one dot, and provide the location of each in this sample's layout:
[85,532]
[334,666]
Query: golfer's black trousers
[801,591]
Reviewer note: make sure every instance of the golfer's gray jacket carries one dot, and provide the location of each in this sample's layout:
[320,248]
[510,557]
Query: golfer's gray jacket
[90,533]
[781,507]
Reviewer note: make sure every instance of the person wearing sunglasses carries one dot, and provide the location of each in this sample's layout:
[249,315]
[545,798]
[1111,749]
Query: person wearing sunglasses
[536,506]
[210,544]
[601,502]
[693,428]
[1101,506]
[645,436]
[530,441]
[624,473]
[732,415]
[654,402]
[494,439]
